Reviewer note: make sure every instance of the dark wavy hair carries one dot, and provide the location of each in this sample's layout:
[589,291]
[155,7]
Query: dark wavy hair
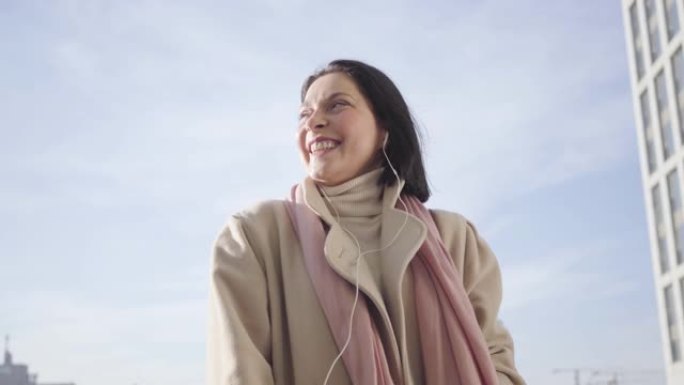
[393,115]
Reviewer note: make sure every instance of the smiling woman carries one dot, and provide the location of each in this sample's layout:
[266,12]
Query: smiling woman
[352,280]
[338,136]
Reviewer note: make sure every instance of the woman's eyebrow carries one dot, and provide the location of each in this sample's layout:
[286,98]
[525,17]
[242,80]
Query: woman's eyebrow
[336,94]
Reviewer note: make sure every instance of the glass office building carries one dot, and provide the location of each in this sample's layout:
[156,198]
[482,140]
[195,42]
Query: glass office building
[656,61]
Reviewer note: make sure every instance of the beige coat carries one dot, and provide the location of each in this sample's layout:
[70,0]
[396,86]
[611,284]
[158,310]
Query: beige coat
[267,327]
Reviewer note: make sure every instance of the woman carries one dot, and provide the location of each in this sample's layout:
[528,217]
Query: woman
[351,280]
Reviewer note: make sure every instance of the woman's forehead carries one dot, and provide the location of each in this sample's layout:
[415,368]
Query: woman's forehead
[328,86]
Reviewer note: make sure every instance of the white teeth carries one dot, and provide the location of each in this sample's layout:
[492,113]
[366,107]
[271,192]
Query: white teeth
[323,145]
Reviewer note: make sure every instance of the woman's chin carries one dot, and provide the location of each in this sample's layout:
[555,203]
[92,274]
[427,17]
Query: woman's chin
[325,178]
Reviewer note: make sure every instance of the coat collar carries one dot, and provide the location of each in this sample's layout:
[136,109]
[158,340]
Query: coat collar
[403,232]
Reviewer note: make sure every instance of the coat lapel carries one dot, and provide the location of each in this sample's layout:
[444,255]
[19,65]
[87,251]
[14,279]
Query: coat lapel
[403,242]
[396,259]
[341,252]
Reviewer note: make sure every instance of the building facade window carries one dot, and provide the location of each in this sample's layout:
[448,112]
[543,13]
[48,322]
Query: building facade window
[678,74]
[675,195]
[681,296]
[672,328]
[671,18]
[661,233]
[636,39]
[666,134]
[653,27]
[648,131]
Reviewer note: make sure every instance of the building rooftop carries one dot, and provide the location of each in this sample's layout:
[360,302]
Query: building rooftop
[18,374]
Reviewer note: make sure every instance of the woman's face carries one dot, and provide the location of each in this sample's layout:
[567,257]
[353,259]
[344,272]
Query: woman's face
[338,136]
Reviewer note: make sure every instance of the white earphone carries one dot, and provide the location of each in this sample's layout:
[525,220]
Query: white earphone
[358,258]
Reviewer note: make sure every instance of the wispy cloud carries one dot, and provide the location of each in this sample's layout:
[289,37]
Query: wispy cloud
[567,275]
[521,110]
[160,341]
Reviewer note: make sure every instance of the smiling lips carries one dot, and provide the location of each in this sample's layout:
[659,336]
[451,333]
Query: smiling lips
[321,146]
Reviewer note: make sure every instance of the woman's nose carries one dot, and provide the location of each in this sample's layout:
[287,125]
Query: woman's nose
[316,121]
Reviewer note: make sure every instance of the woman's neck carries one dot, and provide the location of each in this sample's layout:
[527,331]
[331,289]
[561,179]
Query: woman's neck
[357,197]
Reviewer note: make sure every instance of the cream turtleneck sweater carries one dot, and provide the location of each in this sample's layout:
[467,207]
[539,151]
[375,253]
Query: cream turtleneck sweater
[358,204]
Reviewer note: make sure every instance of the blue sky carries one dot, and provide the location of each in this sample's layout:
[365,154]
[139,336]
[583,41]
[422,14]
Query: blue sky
[133,129]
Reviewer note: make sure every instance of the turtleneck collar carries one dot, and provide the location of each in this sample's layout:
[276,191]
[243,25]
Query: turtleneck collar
[357,197]
[316,202]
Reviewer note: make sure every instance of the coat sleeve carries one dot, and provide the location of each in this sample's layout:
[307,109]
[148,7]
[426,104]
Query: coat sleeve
[239,340]
[482,281]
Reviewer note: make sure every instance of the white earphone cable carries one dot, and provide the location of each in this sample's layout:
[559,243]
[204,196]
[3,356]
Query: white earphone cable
[358,258]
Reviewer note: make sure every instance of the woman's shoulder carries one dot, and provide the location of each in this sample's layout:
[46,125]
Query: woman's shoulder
[451,219]
[453,224]
[261,211]
[260,217]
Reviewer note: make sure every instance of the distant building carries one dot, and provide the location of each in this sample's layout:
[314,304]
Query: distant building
[11,374]
[17,374]
[656,61]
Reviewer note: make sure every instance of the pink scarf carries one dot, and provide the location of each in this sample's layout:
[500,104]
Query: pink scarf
[453,347]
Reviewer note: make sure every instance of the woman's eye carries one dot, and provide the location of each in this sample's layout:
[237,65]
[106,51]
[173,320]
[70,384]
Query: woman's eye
[338,104]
